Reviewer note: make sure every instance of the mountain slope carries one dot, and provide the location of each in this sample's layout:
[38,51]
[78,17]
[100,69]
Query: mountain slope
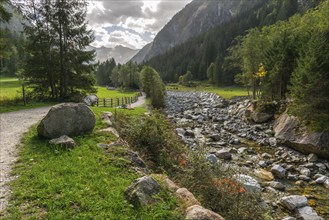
[196,17]
[119,53]
[199,52]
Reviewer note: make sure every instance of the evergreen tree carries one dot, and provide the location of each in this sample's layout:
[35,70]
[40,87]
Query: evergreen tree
[104,72]
[211,73]
[58,37]
[310,83]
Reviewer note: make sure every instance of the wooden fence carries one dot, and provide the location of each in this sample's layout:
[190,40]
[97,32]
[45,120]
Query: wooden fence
[115,102]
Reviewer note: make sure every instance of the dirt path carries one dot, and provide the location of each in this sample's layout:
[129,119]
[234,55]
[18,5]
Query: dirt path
[140,101]
[12,127]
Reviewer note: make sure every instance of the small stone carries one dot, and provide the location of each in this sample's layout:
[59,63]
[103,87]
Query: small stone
[215,137]
[321,179]
[180,131]
[292,177]
[241,150]
[186,197]
[263,174]
[236,141]
[262,163]
[140,192]
[224,154]
[266,156]
[64,141]
[305,171]
[212,158]
[312,158]
[197,212]
[249,183]
[307,213]
[294,201]
[277,185]
[272,141]
[278,171]
[305,178]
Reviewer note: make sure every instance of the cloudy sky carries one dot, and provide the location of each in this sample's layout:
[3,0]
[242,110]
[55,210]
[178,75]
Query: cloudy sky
[130,23]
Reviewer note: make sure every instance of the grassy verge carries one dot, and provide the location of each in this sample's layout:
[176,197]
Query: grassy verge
[225,92]
[84,183]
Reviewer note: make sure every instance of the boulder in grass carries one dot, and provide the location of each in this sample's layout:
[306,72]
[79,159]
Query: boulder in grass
[67,119]
[197,212]
[140,192]
[63,141]
[91,100]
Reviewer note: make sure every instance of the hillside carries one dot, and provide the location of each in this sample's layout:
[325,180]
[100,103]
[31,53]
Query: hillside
[199,52]
[195,18]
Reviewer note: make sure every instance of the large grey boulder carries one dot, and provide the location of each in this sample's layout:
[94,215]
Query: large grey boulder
[67,119]
[289,132]
[197,212]
[294,201]
[140,192]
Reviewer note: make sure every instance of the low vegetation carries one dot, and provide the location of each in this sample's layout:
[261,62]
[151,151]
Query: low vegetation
[83,183]
[154,138]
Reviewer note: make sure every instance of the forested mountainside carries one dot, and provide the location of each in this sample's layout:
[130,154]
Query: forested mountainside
[198,53]
[195,18]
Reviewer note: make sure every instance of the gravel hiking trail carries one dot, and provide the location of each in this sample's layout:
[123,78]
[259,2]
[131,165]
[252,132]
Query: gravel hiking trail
[12,127]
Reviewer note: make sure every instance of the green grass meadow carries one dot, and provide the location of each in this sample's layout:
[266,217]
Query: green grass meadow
[11,96]
[86,182]
[10,88]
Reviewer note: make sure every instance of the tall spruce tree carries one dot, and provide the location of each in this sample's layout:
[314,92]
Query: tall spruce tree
[310,83]
[59,65]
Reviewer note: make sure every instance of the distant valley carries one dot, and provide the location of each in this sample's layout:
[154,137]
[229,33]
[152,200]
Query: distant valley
[120,53]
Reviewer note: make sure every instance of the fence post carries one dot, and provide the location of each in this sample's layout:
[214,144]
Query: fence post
[111,101]
[104,102]
[24,95]
[118,101]
[97,102]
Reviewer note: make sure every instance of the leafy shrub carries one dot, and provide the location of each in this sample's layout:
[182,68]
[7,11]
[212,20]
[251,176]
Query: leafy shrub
[216,190]
[153,86]
[153,137]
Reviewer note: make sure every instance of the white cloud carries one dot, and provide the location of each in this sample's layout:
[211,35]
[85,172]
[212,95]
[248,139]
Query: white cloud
[130,23]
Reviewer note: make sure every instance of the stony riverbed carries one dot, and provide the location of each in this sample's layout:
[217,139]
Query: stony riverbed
[279,173]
